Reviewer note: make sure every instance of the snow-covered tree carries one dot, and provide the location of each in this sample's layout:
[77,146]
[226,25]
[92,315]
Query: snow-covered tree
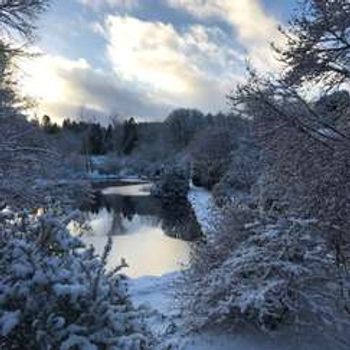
[318,43]
[57,294]
[305,155]
[173,182]
[18,16]
[242,172]
[24,155]
[182,124]
[17,27]
[281,258]
[210,153]
[268,274]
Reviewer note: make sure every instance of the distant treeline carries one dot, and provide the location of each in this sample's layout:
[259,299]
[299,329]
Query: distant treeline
[129,136]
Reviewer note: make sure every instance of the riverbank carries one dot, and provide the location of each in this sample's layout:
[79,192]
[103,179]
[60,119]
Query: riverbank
[203,205]
[159,295]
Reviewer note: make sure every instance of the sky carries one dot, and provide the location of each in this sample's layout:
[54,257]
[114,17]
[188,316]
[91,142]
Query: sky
[143,58]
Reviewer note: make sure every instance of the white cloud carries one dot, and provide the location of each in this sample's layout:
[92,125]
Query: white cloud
[155,69]
[188,68]
[155,66]
[44,80]
[149,52]
[95,4]
[62,87]
[255,28]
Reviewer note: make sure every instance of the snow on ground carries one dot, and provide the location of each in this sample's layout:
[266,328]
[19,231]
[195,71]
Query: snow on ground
[164,319]
[96,175]
[157,294]
[204,207]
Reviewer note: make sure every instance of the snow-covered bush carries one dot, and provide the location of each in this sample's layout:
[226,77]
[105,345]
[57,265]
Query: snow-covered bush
[32,170]
[242,173]
[269,274]
[25,155]
[173,183]
[56,294]
[210,152]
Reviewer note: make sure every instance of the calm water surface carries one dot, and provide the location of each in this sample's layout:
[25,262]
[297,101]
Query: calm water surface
[153,237]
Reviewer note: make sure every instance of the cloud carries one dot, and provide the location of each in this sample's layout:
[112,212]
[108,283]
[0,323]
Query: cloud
[151,67]
[254,27]
[188,68]
[63,87]
[96,4]
[155,68]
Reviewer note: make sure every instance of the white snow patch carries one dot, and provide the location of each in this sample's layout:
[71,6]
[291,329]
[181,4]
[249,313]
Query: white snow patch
[155,292]
[157,295]
[96,175]
[204,207]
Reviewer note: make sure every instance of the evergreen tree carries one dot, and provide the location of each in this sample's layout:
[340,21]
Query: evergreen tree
[95,140]
[130,136]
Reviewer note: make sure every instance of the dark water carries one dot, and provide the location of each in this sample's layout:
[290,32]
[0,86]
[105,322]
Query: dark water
[151,235]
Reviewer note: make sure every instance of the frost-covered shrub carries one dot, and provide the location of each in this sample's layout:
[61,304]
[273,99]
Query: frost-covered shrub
[242,173]
[173,183]
[269,274]
[56,294]
[210,153]
[32,170]
[64,193]
[25,156]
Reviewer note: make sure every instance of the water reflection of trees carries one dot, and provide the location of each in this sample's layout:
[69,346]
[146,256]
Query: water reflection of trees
[128,206]
[176,218]
[179,220]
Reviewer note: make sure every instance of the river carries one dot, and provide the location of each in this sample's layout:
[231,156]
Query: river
[153,237]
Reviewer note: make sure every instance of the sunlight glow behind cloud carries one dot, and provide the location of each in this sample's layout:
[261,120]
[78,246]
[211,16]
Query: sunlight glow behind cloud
[149,52]
[170,65]
[65,87]
[46,81]
[143,61]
